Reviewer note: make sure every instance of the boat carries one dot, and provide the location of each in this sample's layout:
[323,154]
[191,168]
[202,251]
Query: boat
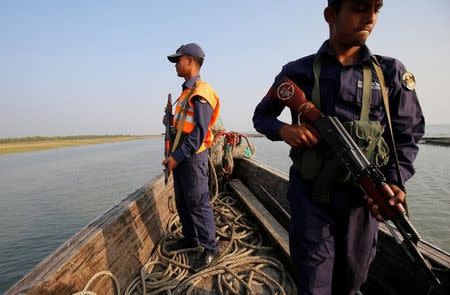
[118,252]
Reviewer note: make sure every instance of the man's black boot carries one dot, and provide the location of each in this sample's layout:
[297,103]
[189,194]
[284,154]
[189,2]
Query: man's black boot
[181,245]
[204,259]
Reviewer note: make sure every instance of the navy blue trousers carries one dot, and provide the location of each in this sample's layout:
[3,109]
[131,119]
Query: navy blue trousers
[192,200]
[332,245]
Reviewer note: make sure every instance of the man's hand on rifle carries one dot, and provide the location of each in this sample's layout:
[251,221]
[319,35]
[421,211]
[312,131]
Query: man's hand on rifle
[302,135]
[167,119]
[170,163]
[398,198]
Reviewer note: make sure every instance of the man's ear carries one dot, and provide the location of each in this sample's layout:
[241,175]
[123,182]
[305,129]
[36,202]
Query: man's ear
[329,15]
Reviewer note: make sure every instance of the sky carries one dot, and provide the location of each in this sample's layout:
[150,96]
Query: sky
[100,67]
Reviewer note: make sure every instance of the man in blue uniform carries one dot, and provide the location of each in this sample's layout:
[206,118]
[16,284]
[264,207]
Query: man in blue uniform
[333,240]
[196,112]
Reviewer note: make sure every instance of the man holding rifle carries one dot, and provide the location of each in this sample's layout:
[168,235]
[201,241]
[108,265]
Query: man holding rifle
[196,111]
[332,233]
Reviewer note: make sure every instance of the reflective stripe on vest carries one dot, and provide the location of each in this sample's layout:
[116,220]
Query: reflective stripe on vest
[204,90]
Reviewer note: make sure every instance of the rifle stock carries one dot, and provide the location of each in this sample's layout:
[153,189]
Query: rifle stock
[368,176]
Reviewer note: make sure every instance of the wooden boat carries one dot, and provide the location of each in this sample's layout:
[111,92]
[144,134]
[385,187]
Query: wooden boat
[121,241]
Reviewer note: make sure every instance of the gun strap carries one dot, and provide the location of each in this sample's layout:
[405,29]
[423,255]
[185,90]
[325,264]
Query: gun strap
[384,92]
[367,92]
[180,122]
[367,88]
[316,89]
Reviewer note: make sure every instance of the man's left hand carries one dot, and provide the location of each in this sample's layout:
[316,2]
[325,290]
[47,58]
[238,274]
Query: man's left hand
[398,198]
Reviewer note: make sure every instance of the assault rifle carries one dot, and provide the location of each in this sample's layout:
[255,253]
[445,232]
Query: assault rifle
[367,175]
[168,115]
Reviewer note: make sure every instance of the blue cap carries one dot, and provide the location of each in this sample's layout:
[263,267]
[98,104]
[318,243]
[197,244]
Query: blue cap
[190,49]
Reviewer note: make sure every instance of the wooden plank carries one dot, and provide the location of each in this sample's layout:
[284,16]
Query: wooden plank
[268,222]
[268,185]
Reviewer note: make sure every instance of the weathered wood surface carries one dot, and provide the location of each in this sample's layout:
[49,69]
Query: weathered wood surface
[278,233]
[392,271]
[119,241]
[268,185]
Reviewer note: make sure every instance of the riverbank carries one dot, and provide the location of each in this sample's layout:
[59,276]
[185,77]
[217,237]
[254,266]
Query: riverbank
[444,141]
[28,144]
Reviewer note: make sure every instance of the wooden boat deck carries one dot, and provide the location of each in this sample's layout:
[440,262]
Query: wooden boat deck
[121,241]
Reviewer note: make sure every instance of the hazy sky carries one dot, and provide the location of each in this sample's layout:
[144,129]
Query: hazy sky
[100,67]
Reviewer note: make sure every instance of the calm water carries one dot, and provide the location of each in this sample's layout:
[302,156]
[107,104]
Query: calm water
[47,196]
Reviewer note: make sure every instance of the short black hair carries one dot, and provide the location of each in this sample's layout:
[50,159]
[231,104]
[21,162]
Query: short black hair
[335,4]
[199,61]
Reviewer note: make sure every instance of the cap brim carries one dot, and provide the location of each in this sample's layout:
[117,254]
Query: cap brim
[174,57]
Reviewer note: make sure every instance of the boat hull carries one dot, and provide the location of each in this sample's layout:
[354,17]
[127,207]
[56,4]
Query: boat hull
[120,241]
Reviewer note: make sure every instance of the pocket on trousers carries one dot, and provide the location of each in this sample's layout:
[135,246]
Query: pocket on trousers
[199,176]
[373,252]
[199,199]
[315,246]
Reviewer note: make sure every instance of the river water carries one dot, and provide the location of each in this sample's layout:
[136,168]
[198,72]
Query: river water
[47,196]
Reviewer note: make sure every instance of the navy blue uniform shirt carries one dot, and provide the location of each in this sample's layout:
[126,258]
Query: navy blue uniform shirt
[341,96]
[202,116]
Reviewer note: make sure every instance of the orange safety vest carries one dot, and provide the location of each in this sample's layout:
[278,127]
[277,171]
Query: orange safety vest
[204,90]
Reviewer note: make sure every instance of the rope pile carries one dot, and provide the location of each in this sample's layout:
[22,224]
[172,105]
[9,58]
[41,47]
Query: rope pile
[244,264]
[232,140]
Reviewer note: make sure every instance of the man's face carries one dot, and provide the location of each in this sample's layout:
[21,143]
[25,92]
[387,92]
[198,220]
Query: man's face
[353,23]
[182,65]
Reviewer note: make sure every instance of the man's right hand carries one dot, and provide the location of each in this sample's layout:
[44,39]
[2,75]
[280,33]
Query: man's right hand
[167,119]
[303,135]
[170,163]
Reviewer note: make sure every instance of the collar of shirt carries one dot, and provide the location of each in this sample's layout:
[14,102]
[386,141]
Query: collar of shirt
[364,56]
[191,82]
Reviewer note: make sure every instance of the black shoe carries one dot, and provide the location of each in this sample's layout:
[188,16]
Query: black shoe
[181,244]
[204,259]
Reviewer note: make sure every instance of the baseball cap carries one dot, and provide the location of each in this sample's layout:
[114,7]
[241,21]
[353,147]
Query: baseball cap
[190,49]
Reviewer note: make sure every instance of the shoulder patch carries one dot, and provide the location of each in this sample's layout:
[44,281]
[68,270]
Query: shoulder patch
[409,81]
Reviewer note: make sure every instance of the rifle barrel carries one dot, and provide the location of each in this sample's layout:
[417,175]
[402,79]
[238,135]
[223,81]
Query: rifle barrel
[168,114]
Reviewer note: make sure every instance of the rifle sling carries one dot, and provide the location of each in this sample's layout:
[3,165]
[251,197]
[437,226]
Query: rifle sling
[179,123]
[367,88]
[384,92]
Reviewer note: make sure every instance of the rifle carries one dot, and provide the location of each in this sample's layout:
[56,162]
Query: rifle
[168,115]
[367,175]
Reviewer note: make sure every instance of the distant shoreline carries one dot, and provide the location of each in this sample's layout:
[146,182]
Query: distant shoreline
[443,141]
[36,143]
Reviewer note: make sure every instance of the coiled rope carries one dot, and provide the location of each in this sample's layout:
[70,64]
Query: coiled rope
[243,266]
[231,141]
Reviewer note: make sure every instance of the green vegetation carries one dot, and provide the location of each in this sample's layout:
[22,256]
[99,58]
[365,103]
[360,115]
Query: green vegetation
[27,144]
